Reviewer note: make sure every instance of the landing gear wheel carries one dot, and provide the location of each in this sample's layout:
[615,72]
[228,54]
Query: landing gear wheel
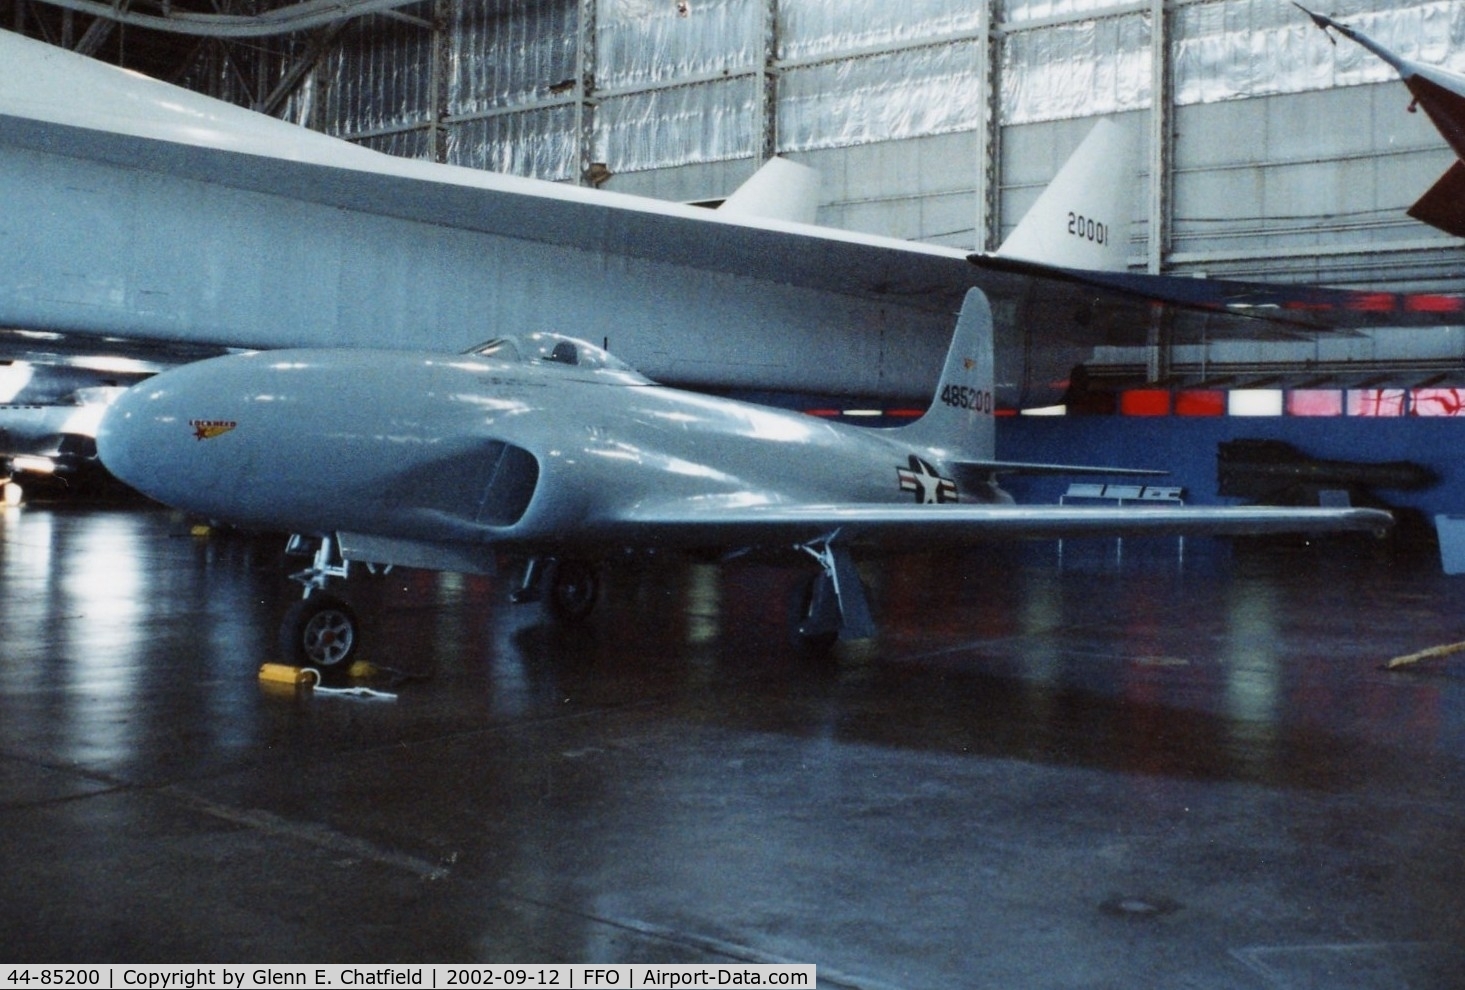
[813,616]
[320,631]
[574,588]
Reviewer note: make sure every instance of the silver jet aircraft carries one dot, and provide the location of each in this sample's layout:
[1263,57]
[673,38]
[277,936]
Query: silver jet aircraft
[549,450]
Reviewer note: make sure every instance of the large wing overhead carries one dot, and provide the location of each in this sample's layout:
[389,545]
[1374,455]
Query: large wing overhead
[1441,93]
[1232,308]
[913,527]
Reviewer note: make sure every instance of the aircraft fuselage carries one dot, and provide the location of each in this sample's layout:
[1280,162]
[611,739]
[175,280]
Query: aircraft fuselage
[462,448]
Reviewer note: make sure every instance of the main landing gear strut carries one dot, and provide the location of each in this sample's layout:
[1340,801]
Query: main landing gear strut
[832,604]
[569,588]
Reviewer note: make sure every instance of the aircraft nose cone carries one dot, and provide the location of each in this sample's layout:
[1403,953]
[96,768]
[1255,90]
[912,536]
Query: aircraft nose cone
[123,437]
[149,437]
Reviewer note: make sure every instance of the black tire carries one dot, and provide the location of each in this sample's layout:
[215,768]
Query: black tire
[574,589]
[321,631]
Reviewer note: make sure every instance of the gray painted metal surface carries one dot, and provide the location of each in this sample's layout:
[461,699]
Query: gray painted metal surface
[568,451]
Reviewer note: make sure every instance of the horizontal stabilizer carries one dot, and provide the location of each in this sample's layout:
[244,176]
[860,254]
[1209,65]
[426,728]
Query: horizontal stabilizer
[978,471]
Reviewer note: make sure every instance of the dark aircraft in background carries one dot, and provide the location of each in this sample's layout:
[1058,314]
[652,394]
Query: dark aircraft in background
[1441,94]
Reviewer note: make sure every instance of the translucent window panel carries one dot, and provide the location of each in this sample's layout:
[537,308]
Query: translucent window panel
[1082,69]
[921,92]
[536,143]
[678,126]
[1241,48]
[1378,402]
[641,42]
[1254,402]
[1315,402]
[510,53]
[815,28]
[1438,402]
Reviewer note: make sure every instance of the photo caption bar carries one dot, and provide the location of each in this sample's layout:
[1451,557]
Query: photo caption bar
[559,976]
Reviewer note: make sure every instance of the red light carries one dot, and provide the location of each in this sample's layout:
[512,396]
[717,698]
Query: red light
[1145,402]
[1200,403]
[1434,304]
[1374,302]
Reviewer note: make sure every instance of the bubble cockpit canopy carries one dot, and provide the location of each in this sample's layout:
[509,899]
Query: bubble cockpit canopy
[551,349]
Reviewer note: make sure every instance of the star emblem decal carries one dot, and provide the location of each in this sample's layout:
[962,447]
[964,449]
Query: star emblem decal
[921,480]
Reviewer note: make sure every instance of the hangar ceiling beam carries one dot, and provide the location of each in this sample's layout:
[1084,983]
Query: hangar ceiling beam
[97,32]
[302,16]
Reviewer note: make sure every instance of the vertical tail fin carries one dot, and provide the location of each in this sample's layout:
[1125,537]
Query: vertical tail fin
[1082,219]
[959,425]
[779,190]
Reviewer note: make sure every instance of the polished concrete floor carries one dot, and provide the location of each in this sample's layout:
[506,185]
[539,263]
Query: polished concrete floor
[1122,771]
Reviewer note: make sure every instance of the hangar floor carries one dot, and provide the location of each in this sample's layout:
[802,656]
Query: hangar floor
[1117,771]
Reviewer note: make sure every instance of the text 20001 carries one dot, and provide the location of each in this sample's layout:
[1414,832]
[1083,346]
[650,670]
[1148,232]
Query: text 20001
[1088,228]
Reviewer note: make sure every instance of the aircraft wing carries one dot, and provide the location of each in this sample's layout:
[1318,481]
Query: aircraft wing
[912,526]
[124,357]
[1441,94]
[53,102]
[1227,307]
[1444,205]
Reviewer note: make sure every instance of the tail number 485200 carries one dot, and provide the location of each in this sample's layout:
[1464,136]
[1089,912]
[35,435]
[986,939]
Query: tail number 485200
[963,397]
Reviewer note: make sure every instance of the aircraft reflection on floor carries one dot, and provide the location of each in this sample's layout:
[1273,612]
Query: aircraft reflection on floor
[1105,643]
[1020,746]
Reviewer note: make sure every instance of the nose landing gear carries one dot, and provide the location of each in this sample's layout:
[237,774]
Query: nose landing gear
[321,630]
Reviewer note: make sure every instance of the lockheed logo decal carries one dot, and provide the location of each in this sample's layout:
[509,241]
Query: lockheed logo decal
[207,429]
[922,480]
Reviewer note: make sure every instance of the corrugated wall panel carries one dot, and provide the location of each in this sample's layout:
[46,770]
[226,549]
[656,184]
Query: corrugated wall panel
[641,42]
[509,54]
[907,94]
[678,126]
[828,28]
